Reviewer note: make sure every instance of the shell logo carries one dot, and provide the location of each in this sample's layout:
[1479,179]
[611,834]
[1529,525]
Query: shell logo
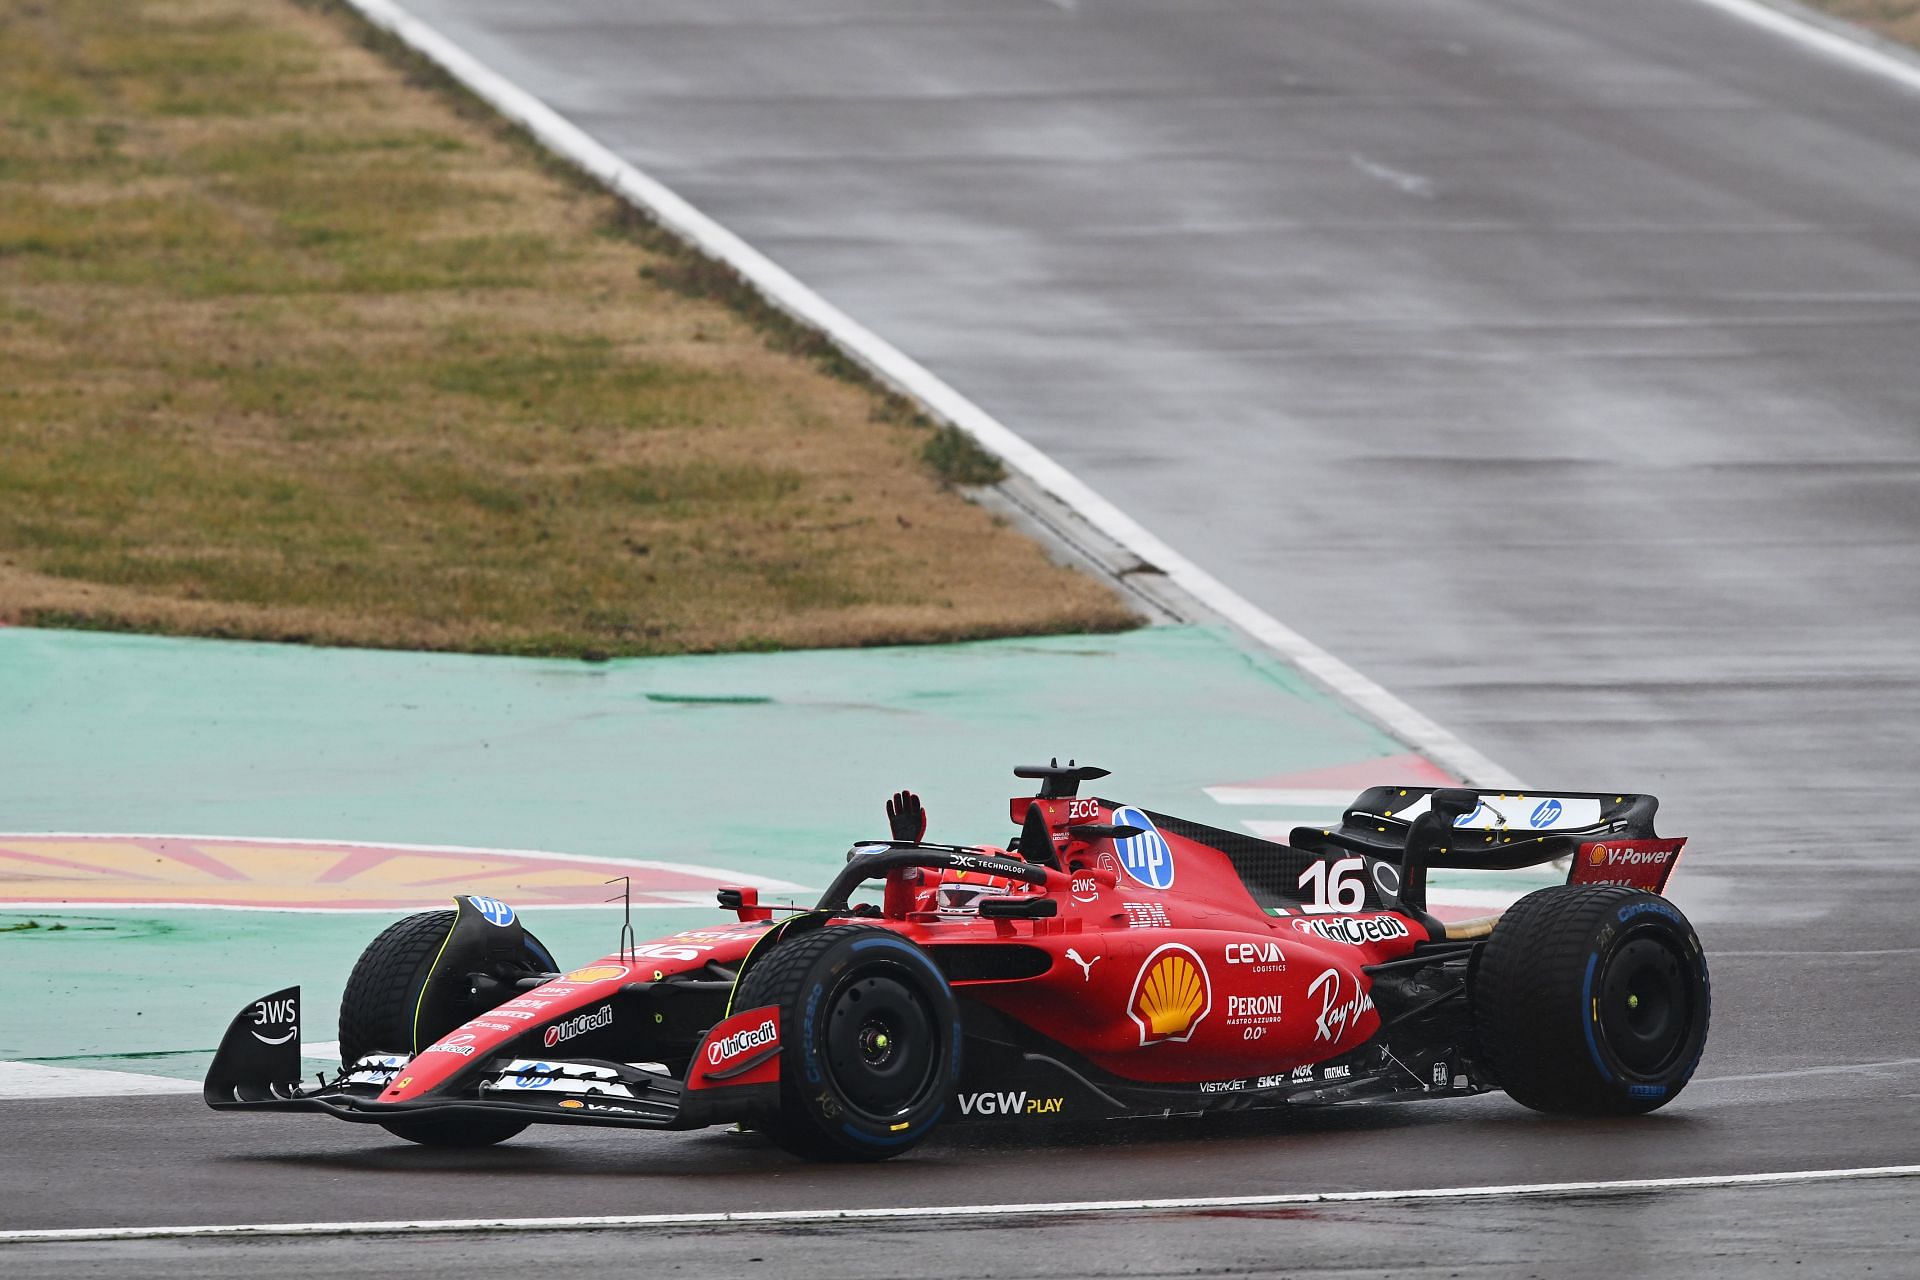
[1599,855]
[596,973]
[1171,995]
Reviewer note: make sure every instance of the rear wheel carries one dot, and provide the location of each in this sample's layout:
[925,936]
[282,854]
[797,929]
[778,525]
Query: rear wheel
[870,1042]
[378,1010]
[1592,1000]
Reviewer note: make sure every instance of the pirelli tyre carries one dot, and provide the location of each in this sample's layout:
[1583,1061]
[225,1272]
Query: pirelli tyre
[378,1012]
[1592,1000]
[870,1042]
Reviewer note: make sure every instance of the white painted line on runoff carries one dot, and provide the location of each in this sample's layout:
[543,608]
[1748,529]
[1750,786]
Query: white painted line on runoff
[782,1217]
[1842,1069]
[1843,41]
[32,1080]
[1296,797]
[893,367]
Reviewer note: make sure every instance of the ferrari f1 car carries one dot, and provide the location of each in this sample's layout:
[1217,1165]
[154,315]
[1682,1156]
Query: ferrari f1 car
[1110,962]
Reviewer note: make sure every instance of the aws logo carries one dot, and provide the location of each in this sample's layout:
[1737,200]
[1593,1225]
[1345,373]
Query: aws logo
[1171,996]
[1145,857]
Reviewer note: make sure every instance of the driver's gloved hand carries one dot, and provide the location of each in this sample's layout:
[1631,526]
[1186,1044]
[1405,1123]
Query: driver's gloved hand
[905,817]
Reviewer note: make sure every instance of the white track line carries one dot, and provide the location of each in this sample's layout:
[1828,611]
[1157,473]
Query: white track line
[778,1217]
[1838,40]
[1845,1069]
[894,368]
[33,1080]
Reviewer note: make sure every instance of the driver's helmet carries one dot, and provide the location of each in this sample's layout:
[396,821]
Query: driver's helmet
[958,897]
[958,893]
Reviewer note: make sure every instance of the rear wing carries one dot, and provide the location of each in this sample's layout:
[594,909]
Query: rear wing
[1606,838]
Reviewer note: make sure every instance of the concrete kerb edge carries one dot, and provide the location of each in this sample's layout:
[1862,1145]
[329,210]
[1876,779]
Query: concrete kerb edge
[1830,36]
[1051,496]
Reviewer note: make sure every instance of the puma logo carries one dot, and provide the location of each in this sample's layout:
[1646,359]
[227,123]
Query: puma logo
[1086,966]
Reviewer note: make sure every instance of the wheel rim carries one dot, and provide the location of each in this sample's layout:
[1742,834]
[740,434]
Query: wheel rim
[881,1044]
[1646,1006]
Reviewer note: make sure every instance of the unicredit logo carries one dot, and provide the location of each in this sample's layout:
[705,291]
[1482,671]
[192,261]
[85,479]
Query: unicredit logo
[579,1024]
[740,1041]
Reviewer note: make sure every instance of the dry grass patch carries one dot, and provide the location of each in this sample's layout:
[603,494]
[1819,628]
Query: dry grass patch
[296,349]
[1896,19]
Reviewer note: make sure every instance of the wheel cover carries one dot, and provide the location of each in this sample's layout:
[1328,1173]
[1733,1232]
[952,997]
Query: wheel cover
[1646,1003]
[881,1043]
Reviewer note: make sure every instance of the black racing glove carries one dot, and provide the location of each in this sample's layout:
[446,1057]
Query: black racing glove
[905,817]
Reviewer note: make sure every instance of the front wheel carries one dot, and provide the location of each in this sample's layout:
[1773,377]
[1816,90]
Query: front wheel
[454,1131]
[870,1042]
[1592,1000]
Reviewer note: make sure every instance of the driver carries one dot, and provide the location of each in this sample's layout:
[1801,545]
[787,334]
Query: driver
[955,893]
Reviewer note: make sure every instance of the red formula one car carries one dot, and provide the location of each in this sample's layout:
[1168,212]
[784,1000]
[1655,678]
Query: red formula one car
[1111,962]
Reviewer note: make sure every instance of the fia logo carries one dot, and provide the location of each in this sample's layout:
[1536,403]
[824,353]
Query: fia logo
[1145,857]
[496,911]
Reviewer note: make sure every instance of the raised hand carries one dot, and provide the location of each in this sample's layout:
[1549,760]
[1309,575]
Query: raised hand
[905,817]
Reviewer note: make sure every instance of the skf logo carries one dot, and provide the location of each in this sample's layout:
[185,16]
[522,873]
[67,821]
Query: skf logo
[1171,996]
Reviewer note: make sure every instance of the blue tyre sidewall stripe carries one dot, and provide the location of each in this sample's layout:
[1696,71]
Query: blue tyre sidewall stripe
[1587,1016]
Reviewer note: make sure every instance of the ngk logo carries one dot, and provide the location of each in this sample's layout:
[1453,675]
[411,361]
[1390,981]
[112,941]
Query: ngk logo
[727,1048]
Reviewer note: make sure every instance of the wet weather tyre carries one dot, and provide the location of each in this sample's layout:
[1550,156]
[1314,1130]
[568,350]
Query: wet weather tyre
[454,1131]
[377,1016]
[1592,1000]
[870,1042]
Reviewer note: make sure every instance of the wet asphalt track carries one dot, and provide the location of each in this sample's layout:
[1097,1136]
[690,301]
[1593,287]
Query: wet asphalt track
[1552,361]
